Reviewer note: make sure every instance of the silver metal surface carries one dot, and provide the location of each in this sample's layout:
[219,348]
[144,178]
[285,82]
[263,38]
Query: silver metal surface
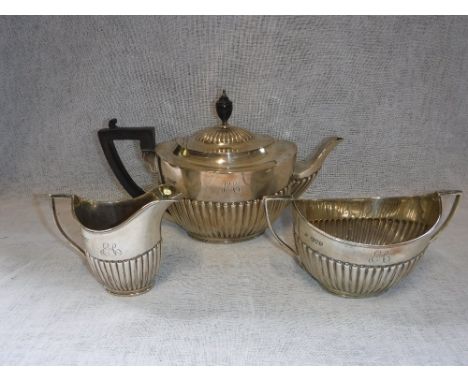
[232,217]
[223,222]
[361,247]
[228,176]
[224,172]
[122,239]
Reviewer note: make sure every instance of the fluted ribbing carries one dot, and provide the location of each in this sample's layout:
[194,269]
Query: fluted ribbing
[350,279]
[127,277]
[230,222]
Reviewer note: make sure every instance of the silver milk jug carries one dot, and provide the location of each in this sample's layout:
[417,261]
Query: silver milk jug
[122,240]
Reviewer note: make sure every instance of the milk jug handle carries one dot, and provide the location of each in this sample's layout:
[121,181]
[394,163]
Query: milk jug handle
[59,226]
[456,200]
[286,246]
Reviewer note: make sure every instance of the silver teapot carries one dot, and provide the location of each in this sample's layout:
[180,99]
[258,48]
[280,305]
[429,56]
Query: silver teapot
[223,173]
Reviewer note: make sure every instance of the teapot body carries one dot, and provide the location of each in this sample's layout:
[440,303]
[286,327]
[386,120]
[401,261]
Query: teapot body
[215,183]
[223,172]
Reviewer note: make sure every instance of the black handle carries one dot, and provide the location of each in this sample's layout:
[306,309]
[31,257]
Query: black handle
[107,136]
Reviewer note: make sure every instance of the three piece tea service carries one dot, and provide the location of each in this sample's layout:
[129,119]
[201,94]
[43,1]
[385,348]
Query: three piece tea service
[225,184]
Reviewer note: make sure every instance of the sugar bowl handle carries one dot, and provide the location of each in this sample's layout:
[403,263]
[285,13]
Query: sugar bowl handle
[285,245]
[145,135]
[456,199]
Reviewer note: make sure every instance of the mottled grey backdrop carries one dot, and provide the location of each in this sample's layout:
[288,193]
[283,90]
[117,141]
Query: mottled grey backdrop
[394,87]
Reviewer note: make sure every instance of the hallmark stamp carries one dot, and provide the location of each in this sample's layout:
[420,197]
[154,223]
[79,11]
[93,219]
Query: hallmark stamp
[313,239]
[380,256]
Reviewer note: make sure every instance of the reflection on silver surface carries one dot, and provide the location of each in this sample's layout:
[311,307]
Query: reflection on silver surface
[223,172]
[122,239]
[361,247]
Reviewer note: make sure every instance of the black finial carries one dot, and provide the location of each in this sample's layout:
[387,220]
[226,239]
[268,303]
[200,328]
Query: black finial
[113,123]
[224,107]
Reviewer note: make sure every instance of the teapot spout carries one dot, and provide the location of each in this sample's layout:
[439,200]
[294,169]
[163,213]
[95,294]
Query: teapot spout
[309,167]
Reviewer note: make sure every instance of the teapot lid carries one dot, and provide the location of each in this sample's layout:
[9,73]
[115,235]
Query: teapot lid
[224,138]
[225,146]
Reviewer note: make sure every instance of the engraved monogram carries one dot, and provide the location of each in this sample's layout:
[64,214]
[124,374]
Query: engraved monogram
[110,250]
